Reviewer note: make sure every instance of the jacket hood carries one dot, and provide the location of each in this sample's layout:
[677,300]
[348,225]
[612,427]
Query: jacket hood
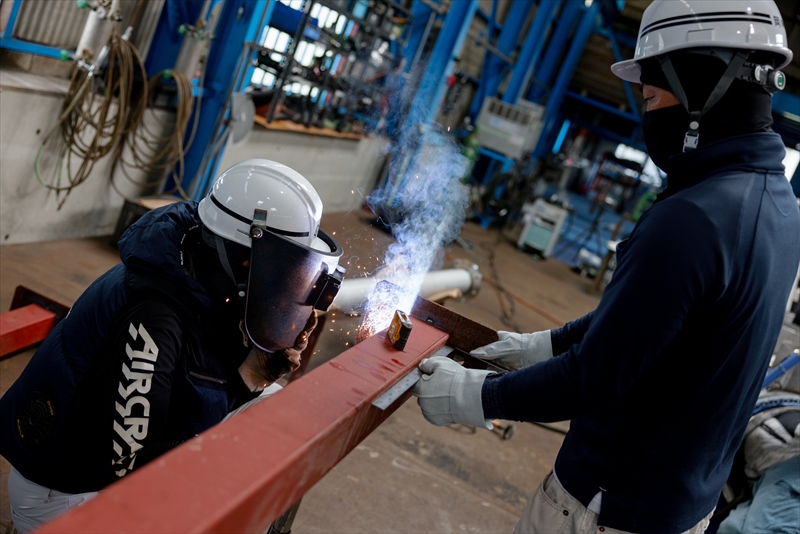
[153,245]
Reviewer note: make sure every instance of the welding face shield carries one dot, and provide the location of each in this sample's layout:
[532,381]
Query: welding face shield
[293,267]
[287,281]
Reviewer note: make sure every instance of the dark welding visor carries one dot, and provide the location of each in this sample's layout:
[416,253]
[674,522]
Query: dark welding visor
[287,281]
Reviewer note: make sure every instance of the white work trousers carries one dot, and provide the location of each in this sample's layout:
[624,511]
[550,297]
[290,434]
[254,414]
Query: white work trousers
[33,505]
[552,510]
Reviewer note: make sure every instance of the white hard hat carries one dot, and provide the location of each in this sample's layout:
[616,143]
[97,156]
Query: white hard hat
[670,25]
[292,204]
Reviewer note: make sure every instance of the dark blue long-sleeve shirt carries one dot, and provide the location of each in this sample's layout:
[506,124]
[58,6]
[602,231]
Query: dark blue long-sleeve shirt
[660,385]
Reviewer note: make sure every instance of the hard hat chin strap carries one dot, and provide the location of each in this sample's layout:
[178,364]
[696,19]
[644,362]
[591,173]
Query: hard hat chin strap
[241,289]
[692,137]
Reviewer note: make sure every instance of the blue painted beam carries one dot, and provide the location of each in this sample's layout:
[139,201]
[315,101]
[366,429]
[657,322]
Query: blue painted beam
[167,41]
[418,33]
[8,42]
[26,47]
[225,66]
[531,50]
[261,18]
[494,68]
[633,117]
[609,33]
[543,73]
[440,64]
[428,96]
[485,16]
[12,19]
[585,28]
[241,74]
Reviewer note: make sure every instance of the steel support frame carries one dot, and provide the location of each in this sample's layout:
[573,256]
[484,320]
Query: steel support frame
[608,32]
[226,70]
[531,50]
[587,24]
[440,64]
[494,67]
[242,474]
[543,74]
[425,104]
[424,17]
[8,42]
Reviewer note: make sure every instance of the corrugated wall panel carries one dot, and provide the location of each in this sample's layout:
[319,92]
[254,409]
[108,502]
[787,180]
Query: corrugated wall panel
[60,23]
[50,22]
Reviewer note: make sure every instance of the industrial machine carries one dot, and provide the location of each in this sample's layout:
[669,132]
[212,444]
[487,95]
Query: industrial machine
[509,129]
[542,224]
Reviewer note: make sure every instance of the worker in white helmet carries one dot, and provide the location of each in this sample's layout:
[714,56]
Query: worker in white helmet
[211,304]
[660,380]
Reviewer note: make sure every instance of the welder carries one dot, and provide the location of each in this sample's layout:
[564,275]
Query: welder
[212,303]
[660,380]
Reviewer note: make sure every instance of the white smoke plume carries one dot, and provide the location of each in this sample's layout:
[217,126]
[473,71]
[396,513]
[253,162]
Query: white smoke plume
[429,205]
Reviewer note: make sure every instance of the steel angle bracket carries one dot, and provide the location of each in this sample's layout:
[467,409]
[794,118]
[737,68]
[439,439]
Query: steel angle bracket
[465,335]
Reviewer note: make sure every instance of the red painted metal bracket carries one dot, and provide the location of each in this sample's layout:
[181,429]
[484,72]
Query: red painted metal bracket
[31,318]
[242,474]
[24,327]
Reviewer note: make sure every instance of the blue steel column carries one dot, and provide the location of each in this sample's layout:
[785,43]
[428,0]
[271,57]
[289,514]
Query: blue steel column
[426,102]
[585,29]
[506,43]
[236,71]
[166,43]
[418,33]
[531,50]
[612,38]
[223,67]
[558,42]
[440,64]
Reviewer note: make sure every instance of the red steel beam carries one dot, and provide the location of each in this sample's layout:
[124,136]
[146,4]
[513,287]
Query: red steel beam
[242,474]
[23,327]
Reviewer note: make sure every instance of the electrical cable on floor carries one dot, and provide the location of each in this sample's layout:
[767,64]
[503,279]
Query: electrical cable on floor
[505,299]
[550,427]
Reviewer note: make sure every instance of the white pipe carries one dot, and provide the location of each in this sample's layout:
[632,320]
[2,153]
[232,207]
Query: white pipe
[355,291]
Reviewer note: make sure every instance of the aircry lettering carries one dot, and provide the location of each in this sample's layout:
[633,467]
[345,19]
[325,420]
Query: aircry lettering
[133,408]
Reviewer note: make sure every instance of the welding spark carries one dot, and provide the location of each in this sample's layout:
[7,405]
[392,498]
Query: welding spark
[433,211]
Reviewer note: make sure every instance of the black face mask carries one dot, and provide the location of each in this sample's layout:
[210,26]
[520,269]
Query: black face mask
[664,130]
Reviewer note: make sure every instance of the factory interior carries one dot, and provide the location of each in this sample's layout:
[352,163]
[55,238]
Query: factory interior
[476,160]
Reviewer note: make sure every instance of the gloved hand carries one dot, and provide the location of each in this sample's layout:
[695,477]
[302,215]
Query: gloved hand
[449,394]
[287,360]
[261,368]
[516,351]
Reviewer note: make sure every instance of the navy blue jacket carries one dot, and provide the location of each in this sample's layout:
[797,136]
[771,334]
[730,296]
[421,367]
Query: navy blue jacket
[145,360]
[660,380]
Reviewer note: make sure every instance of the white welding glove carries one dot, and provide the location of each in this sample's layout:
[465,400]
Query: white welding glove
[516,351]
[449,394]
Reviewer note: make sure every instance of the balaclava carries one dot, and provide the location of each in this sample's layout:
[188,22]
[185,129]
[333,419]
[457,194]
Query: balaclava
[744,108]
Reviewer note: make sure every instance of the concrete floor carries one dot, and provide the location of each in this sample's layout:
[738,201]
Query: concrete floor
[408,476]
